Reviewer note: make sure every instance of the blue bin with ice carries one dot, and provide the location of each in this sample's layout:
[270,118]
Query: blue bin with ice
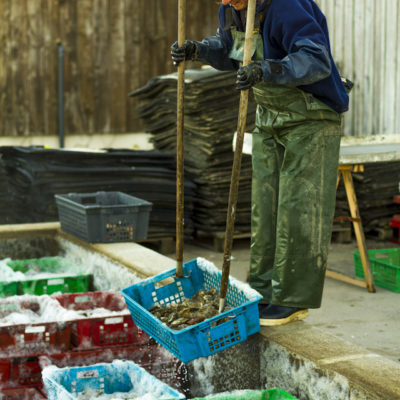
[115,380]
[206,338]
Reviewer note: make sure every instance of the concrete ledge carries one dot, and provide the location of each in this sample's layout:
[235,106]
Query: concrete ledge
[345,370]
[28,230]
[139,259]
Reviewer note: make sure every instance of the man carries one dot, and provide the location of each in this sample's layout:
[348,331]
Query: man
[300,98]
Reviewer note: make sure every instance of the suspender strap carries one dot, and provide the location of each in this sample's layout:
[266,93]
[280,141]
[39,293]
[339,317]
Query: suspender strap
[232,18]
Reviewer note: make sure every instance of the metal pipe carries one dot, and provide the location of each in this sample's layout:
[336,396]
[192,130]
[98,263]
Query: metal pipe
[61,94]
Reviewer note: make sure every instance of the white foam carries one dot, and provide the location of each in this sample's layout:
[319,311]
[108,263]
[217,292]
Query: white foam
[107,275]
[7,274]
[249,292]
[50,310]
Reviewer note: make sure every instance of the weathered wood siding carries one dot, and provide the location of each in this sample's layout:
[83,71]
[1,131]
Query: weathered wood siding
[365,39]
[115,46]
[111,48]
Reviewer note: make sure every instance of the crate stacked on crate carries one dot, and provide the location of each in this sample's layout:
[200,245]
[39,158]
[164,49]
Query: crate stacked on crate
[22,394]
[45,275]
[84,329]
[26,329]
[29,327]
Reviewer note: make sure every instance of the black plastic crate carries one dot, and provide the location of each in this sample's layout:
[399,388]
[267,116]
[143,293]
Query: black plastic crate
[103,217]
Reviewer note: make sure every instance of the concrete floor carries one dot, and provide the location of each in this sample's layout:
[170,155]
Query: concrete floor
[370,320]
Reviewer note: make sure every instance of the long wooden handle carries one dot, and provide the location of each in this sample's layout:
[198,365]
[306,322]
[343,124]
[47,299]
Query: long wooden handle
[237,160]
[179,143]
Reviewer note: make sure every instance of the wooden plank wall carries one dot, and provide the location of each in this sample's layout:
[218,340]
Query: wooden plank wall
[115,46]
[111,48]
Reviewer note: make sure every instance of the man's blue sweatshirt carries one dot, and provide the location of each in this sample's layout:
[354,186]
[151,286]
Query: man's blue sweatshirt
[296,49]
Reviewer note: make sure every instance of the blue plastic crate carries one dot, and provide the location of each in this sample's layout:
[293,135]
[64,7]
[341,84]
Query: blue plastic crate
[99,379]
[207,337]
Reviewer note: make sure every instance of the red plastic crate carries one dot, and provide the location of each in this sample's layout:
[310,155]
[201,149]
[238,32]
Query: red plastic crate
[5,368]
[27,339]
[21,394]
[394,223]
[91,332]
[140,354]
[20,372]
[25,371]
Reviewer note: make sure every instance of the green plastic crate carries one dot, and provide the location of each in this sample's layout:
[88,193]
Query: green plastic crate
[67,278]
[270,394]
[9,289]
[385,267]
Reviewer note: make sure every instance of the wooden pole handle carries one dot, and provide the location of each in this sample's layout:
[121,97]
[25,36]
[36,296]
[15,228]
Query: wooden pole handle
[179,143]
[233,192]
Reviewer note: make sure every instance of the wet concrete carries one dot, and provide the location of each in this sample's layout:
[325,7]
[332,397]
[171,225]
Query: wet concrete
[370,320]
[303,358]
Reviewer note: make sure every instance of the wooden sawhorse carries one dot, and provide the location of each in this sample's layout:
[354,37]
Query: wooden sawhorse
[345,171]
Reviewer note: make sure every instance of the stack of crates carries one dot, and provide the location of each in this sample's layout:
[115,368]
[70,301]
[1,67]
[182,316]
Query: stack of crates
[22,343]
[93,337]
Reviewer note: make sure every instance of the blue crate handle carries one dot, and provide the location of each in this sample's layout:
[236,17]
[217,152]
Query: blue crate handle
[218,337]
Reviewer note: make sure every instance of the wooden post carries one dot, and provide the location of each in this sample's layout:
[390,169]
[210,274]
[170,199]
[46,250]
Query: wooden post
[358,230]
[179,143]
[345,171]
[233,192]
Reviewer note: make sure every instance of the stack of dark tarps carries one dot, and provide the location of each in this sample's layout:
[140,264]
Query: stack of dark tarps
[211,110]
[36,174]
[375,188]
[5,195]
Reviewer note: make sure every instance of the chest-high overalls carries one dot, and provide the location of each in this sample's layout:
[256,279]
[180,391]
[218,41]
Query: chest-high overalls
[295,160]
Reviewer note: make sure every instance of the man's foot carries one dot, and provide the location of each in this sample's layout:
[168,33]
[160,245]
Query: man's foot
[271,314]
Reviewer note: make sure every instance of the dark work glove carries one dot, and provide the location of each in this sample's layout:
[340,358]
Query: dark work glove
[248,76]
[185,52]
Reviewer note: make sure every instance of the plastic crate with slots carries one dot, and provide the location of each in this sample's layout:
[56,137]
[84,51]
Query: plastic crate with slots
[21,394]
[207,337]
[116,377]
[9,288]
[26,371]
[53,274]
[25,339]
[269,394]
[117,328]
[102,217]
[152,357]
[385,267]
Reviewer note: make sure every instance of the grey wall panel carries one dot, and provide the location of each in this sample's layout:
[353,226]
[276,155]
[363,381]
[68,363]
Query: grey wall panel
[365,40]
